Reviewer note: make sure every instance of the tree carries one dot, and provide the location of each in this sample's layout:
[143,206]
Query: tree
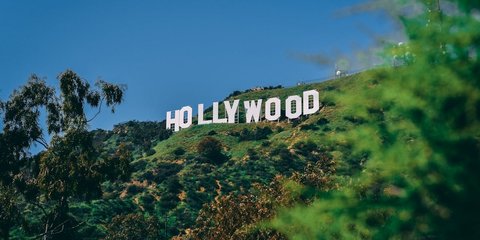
[239,216]
[243,216]
[133,227]
[68,167]
[8,210]
[210,150]
[422,125]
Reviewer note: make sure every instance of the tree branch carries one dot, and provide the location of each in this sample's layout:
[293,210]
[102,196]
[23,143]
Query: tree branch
[78,225]
[62,225]
[45,145]
[99,110]
[52,231]
[39,206]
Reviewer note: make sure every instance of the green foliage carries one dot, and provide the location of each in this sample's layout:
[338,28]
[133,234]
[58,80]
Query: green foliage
[391,155]
[252,154]
[179,151]
[211,150]
[420,132]
[68,167]
[235,217]
[241,216]
[133,227]
[9,214]
[117,166]
[257,133]
[139,137]
[177,186]
[165,184]
[305,148]
[161,172]
[72,155]
[150,152]
[237,93]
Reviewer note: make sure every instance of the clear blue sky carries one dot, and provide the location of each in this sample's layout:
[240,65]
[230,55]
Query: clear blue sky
[176,53]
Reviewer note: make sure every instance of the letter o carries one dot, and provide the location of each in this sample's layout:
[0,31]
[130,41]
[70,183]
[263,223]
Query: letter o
[298,106]
[268,109]
[189,111]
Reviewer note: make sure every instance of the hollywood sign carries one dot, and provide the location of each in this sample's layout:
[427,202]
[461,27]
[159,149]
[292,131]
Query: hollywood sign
[295,106]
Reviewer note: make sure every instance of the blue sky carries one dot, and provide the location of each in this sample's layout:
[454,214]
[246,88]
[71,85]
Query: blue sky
[176,53]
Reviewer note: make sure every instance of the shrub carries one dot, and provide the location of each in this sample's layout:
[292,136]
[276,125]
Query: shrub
[133,226]
[252,154]
[161,172]
[305,148]
[211,133]
[133,189]
[322,121]
[139,165]
[286,157]
[279,129]
[308,127]
[258,133]
[147,201]
[211,149]
[150,152]
[179,151]
[354,119]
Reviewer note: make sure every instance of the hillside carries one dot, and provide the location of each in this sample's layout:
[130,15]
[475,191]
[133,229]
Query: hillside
[171,181]
[391,153]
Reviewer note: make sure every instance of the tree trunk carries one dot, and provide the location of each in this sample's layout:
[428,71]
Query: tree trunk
[45,234]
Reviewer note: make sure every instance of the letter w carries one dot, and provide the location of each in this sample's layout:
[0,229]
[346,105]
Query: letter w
[253,110]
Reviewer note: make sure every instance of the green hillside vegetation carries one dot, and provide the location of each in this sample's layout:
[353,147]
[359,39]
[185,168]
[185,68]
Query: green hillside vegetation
[392,154]
[174,182]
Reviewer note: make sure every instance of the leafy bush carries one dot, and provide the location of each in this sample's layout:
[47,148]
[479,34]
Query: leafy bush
[211,133]
[170,198]
[150,152]
[305,148]
[133,226]
[142,134]
[355,120]
[305,127]
[258,133]
[139,164]
[235,216]
[252,154]
[322,121]
[179,151]
[210,149]
[161,172]
[133,189]
[147,201]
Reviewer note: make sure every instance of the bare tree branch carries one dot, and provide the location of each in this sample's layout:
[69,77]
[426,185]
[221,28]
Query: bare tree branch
[42,143]
[99,110]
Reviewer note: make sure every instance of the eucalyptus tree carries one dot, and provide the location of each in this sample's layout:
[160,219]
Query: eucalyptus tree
[69,167]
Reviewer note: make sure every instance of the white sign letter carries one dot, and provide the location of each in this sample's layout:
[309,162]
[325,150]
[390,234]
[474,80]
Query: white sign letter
[298,106]
[231,110]
[252,110]
[201,121]
[188,110]
[315,106]
[174,120]
[215,114]
[268,109]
